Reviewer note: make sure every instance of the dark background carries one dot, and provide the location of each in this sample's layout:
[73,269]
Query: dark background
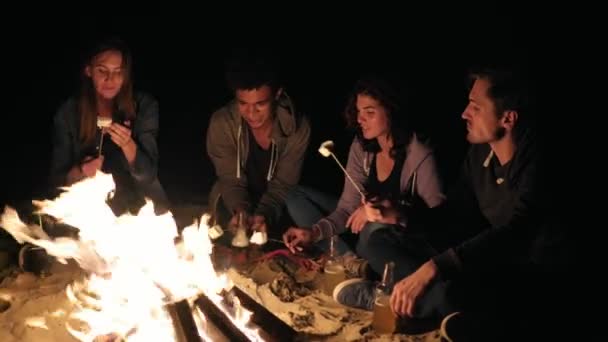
[179,59]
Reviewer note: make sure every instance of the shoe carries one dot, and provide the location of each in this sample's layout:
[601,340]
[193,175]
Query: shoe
[356,267]
[454,328]
[34,259]
[356,293]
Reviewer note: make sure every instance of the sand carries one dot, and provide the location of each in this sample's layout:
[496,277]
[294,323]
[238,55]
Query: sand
[312,313]
[38,306]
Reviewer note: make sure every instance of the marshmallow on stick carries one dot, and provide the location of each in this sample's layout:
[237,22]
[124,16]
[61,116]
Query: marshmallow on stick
[103,122]
[259,238]
[326,150]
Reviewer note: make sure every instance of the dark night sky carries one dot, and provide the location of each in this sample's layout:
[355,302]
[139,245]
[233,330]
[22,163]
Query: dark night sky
[179,60]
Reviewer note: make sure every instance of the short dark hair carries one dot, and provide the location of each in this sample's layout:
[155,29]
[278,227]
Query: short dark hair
[510,89]
[248,69]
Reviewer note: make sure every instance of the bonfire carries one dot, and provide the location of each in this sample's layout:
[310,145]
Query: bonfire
[135,265]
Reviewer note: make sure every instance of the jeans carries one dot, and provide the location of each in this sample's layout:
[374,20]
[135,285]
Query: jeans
[408,252]
[307,206]
[363,240]
[502,300]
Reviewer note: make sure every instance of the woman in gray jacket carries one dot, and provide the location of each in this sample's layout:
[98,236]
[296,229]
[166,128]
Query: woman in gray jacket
[395,170]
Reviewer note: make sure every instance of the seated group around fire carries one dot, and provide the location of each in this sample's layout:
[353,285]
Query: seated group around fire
[490,239]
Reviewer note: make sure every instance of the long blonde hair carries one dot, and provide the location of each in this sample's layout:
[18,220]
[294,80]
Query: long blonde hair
[87,99]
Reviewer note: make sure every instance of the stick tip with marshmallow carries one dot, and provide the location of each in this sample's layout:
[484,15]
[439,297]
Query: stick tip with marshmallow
[103,122]
[326,150]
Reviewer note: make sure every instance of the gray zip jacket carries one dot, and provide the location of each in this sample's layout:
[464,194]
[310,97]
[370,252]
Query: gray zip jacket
[228,148]
[419,166]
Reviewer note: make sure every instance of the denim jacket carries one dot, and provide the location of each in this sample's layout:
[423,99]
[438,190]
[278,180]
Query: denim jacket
[68,151]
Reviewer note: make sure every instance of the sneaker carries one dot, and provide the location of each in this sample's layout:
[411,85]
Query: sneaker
[34,259]
[356,293]
[453,328]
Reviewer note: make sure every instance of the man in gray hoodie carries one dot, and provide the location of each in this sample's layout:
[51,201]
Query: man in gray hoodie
[257,144]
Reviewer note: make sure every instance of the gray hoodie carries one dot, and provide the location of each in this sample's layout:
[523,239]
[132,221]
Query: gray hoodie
[419,165]
[228,148]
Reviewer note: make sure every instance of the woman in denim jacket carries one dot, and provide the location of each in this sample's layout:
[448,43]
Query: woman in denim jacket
[109,127]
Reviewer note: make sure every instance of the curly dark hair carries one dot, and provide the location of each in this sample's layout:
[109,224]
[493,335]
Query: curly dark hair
[382,91]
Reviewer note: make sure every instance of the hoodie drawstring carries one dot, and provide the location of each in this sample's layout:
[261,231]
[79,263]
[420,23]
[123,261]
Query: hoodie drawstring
[274,155]
[366,162]
[486,162]
[414,184]
[238,153]
[273,160]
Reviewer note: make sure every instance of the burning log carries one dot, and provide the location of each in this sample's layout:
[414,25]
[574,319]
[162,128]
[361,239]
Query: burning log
[183,322]
[271,328]
[215,314]
[271,324]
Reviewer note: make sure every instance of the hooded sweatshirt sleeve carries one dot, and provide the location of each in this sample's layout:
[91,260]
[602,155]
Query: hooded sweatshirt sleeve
[420,168]
[221,146]
[350,200]
[428,182]
[288,172]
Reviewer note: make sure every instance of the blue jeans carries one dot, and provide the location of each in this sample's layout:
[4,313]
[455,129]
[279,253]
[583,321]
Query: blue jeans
[408,252]
[307,206]
[363,240]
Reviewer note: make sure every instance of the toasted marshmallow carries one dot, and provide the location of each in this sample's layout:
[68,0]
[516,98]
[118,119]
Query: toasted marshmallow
[240,239]
[215,232]
[259,238]
[103,122]
[326,148]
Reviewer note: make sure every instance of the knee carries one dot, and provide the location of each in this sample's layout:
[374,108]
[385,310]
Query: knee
[372,239]
[370,231]
[294,196]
